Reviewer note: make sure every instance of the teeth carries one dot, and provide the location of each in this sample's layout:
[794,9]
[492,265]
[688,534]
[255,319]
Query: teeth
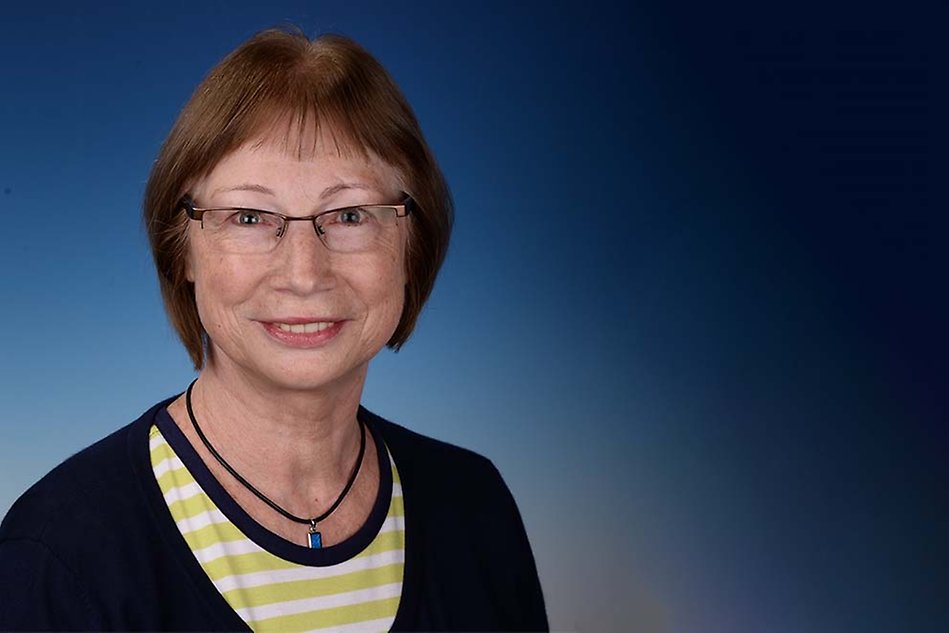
[304,328]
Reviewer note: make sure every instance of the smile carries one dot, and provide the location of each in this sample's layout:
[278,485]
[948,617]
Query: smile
[304,328]
[302,333]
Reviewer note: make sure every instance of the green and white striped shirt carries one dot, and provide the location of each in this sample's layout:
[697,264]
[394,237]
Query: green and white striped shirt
[269,592]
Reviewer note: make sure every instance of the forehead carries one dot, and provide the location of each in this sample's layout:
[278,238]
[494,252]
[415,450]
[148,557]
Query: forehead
[286,152]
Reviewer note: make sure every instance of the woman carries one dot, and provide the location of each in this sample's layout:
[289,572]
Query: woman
[298,221]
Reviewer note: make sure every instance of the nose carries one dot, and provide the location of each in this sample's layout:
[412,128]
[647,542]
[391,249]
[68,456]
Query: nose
[302,263]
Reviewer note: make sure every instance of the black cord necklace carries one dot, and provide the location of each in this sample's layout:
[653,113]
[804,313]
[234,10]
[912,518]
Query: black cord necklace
[314,538]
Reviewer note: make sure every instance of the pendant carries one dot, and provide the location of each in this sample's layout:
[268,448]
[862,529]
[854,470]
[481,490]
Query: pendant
[314,538]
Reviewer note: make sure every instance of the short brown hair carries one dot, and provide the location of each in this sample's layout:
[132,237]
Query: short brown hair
[330,81]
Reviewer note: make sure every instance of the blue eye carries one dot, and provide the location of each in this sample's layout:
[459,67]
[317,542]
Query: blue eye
[253,218]
[248,217]
[352,217]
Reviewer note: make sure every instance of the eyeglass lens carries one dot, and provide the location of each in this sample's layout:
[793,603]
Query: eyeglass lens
[349,230]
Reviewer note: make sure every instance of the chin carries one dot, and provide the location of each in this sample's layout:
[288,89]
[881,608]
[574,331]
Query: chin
[312,377]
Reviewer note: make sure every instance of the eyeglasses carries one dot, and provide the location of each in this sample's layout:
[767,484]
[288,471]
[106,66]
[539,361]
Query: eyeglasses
[347,230]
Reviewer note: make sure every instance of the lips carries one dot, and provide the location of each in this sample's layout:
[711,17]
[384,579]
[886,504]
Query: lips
[305,328]
[303,332]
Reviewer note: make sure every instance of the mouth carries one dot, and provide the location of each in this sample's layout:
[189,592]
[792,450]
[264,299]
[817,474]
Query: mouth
[305,328]
[303,333]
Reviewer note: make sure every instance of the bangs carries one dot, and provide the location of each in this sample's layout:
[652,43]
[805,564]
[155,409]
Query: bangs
[304,133]
[309,98]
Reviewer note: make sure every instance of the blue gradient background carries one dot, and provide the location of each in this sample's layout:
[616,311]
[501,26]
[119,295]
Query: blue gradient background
[694,308]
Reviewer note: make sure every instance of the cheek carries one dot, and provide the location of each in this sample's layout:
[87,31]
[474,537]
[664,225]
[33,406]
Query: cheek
[397,259]
[398,265]
[388,289]
[396,301]
[219,286]
[387,313]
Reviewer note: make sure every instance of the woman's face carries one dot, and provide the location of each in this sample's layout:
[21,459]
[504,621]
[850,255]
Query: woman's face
[254,306]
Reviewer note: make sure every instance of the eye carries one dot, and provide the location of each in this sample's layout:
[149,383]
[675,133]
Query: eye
[252,218]
[354,216]
[248,217]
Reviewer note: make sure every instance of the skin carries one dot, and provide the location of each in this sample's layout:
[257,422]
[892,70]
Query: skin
[284,415]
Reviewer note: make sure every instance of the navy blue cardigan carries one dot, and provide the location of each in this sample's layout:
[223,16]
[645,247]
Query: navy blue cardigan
[92,546]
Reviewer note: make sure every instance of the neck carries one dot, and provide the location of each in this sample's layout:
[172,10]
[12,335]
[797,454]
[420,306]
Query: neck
[297,445]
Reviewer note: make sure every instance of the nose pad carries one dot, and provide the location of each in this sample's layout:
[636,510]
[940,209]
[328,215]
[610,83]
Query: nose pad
[303,262]
[320,233]
[283,228]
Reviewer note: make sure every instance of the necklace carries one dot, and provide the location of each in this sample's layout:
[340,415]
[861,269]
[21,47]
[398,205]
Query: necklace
[313,536]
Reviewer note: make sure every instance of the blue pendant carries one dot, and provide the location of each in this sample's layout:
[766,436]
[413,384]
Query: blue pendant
[315,539]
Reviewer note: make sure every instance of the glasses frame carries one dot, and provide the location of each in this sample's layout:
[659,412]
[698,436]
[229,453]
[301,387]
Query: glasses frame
[402,209]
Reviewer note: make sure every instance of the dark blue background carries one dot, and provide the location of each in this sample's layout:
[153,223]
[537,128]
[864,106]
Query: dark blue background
[694,308]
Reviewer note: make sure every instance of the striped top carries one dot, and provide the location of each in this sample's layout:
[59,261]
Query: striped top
[295,588]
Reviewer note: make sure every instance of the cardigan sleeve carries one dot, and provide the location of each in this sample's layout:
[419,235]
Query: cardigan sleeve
[40,593]
[519,589]
[469,565]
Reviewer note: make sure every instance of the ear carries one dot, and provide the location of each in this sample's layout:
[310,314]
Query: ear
[189,269]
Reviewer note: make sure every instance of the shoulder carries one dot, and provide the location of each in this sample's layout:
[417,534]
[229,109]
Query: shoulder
[65,541]
[84,491]
[418,457]
[446,480]
[453,498]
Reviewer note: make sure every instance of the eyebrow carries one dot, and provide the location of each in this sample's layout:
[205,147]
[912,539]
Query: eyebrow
[244,187]
[329,191]
[342,186]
